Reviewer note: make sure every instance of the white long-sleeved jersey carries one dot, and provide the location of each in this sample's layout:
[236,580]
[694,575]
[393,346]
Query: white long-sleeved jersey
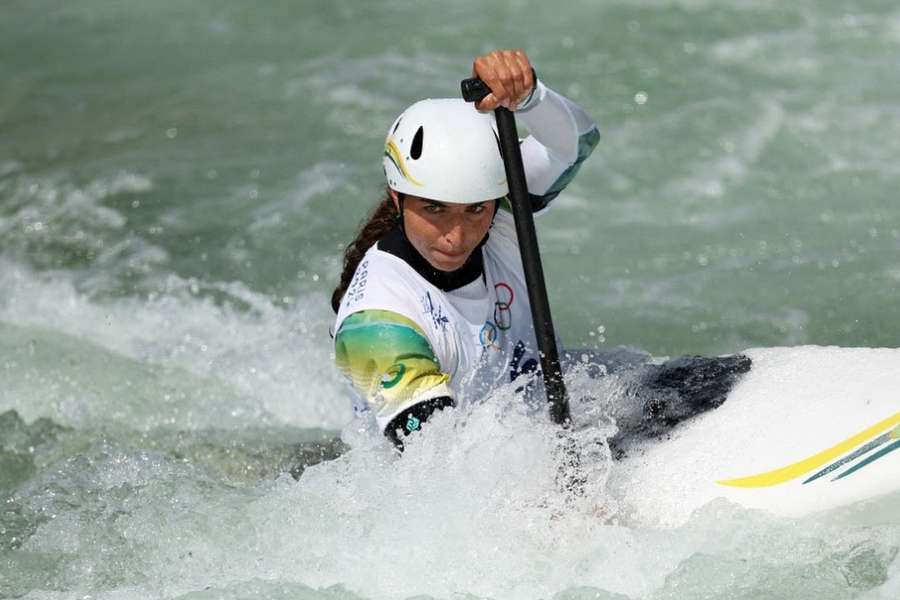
[405,335]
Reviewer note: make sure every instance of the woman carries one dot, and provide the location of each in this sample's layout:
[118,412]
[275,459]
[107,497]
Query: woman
[432,308]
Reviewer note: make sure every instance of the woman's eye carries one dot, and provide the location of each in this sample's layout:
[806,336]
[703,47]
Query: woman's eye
[433,208]
[476,210]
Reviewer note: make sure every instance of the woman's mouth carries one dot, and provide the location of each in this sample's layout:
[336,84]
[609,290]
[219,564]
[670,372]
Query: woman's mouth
[452,260]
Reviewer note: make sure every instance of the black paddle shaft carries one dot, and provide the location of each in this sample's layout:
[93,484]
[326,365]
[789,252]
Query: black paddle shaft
[474,89]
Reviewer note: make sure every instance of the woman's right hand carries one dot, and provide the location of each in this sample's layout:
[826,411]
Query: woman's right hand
[509,75]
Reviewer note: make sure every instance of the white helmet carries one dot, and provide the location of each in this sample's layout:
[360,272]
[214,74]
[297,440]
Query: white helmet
[444,149]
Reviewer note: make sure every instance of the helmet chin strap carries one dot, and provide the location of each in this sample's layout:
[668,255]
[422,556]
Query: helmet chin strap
[400,198]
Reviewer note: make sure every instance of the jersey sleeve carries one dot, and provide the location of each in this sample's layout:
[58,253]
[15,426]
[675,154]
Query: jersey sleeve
[389,361]
[562,137]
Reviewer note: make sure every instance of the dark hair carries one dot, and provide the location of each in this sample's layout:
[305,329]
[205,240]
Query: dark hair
[382,220]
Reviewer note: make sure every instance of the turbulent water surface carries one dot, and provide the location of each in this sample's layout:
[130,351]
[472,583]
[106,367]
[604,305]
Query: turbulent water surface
[177,180]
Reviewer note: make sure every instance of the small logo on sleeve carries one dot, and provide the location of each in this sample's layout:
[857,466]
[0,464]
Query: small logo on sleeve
[412,424]
[393,376]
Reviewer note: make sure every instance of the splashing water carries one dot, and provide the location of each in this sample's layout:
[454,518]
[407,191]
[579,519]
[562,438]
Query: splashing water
[177,183]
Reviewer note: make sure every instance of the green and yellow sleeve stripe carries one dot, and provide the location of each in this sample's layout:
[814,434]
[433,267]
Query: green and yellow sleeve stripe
[389,360]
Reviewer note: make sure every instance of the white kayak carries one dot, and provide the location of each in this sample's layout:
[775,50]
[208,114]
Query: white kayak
[807,429]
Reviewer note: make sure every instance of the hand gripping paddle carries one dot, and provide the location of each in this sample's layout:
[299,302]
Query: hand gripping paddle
[475,89]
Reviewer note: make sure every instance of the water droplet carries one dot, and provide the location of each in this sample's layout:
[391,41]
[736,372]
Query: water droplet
[641,98]
[172,133]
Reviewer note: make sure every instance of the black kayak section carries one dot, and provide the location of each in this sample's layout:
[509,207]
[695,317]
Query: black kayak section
[652,399]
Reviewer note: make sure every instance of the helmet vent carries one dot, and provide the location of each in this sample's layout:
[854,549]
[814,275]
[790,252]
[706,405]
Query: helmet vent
[499,147]
[416,150]
[396,125]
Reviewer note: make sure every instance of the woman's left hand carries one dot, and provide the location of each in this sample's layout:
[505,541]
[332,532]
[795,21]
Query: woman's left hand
[509,75]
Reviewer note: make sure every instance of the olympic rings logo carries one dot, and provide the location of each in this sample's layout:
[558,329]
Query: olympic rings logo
[490,331]
[502,314]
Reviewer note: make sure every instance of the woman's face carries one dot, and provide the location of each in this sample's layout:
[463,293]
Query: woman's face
[445,234]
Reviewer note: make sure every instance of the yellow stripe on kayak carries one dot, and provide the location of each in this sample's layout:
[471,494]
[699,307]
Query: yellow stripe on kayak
[816,461]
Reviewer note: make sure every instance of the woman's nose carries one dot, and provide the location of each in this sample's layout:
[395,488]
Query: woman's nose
[455,233]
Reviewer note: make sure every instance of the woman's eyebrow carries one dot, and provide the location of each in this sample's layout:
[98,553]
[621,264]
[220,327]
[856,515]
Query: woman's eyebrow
[435,202]
[446,204]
